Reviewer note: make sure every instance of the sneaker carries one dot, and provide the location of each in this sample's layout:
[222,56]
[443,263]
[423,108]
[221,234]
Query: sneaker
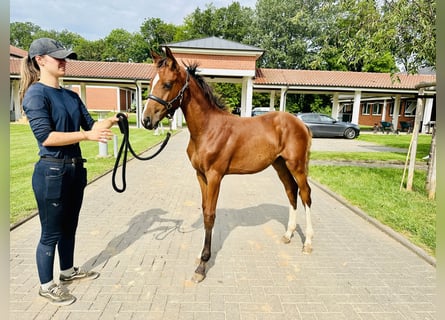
[79,274]
[57,295]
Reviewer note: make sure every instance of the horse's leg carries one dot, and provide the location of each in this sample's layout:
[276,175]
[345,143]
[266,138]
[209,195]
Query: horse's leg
[209,191]
[291,188]
[305,195]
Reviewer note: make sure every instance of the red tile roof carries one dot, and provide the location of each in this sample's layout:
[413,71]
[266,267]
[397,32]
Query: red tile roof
[99,70]
[17,52]
[113,70]
[339,79]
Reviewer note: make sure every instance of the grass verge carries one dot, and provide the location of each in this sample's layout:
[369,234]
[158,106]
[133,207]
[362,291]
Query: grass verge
[376,190]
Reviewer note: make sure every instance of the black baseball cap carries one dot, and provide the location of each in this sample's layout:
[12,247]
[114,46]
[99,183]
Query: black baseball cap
[50,47]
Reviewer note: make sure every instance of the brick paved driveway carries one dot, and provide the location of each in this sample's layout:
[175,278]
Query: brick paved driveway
[145,242]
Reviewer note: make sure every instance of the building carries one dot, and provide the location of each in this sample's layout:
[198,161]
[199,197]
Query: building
[359,97]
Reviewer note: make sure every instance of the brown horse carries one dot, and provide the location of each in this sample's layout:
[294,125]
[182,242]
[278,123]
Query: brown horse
[222,143]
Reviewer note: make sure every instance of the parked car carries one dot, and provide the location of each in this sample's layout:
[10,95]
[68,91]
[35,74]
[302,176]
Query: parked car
[324,126]
[260,110]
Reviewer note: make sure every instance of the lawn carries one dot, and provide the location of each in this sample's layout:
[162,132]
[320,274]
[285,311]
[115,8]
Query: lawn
[377,190]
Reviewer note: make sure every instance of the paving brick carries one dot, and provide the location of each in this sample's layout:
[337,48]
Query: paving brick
[145,243]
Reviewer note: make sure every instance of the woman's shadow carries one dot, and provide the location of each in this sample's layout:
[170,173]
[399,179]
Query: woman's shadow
[137,227]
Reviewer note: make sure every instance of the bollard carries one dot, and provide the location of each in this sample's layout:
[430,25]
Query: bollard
[103,149]
[115,147]
[103,146]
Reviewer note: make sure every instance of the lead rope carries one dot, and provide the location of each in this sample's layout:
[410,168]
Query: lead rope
[123,126]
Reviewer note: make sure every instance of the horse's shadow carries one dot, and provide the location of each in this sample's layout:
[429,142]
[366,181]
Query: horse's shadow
[228,220]
[138,226]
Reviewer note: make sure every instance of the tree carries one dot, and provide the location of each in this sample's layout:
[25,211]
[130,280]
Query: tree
[90,50]
[117,45]
[233,22]
[22,34]
[155,33]
[412,26]
[350,37]
[275,31]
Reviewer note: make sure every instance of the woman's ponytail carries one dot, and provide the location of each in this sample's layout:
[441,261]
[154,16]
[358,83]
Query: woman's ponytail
[29,73]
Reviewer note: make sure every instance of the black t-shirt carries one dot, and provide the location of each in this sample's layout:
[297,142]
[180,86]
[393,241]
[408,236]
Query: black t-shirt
[55,109]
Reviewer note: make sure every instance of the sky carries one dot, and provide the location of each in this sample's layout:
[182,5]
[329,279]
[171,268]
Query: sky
[95,20]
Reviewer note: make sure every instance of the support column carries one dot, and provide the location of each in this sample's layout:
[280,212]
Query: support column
[283,99]
[246,97]
[335,106]
[15,101]
[139,104]
[356,107]
[83,93]
[428,109]
[384,110]
[272,100]
[396,111]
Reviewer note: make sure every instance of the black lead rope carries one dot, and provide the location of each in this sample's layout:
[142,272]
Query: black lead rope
[123,126]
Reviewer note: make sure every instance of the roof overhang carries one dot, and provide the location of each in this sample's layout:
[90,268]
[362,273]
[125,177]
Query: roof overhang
[217,52]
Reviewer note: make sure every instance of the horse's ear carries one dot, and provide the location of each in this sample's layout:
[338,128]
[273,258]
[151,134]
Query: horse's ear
[155,56]
[174,63]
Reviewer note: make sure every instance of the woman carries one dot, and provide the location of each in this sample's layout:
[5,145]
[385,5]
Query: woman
[56,116]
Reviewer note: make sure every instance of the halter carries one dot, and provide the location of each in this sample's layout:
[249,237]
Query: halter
[169,104]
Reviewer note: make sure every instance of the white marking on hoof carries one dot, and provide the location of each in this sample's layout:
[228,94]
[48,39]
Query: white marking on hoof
[197,278]
[285,239]
[307,249]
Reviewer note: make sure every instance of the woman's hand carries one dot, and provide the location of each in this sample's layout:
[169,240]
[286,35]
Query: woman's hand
[98,134]
[106,123]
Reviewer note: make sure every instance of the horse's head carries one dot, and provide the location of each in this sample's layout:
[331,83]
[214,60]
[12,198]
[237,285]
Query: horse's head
[167,90]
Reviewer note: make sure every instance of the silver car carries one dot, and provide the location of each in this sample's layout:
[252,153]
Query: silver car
[324,126]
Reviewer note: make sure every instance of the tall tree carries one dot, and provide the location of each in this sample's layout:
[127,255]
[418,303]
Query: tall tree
[276,32]
[90,50]
[21,34]
[412,24]
[156,32]
[233,22]
[351,37]
[117,45]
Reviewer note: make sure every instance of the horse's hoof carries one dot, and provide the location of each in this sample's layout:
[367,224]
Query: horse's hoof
[285,239]
[197,277]
[307,249]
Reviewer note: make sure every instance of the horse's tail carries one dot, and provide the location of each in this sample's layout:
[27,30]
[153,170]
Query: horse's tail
[308,149]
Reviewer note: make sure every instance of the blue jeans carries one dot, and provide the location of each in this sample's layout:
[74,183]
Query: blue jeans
[58,189]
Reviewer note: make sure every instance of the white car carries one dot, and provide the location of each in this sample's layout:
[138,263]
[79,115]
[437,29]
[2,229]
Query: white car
[260,110]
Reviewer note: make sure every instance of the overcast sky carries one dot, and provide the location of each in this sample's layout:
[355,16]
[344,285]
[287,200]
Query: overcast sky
[94,20]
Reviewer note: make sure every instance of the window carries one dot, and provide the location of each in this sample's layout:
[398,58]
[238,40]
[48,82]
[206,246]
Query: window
[410,108]
[347,108]
[377,109]
[391,108]
[325,119]
[366,109]
[310,117]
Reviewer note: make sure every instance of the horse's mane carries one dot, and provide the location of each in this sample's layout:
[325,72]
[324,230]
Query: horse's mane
[208,91]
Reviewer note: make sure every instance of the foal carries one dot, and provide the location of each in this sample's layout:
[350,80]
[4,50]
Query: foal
[222,143]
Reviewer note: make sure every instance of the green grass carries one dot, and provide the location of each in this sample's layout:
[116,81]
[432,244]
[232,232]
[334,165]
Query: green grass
[396,141]
[24,153]
[377,190]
